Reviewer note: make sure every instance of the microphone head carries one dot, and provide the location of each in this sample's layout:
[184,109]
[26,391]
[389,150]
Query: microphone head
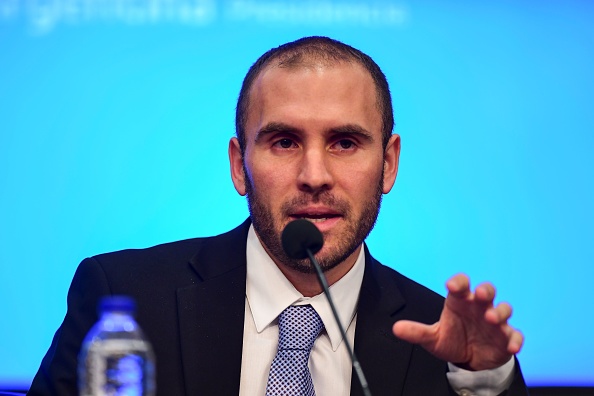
[300,235]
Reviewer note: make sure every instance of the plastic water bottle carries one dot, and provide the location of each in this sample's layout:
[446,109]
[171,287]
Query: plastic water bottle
[116,359]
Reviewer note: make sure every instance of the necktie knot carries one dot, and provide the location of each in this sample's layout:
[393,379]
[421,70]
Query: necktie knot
[298,327]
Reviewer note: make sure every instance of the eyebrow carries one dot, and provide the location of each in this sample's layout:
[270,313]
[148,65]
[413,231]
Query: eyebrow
[347,129]
[353,129]
[274,127]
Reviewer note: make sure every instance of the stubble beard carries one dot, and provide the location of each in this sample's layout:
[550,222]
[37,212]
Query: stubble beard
[357,229]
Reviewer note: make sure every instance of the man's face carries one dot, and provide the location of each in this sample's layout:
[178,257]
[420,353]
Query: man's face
[314,150]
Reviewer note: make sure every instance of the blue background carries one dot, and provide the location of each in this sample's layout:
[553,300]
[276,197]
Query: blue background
[115,118]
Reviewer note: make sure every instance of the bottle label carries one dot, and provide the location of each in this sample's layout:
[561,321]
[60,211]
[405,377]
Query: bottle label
[119,368]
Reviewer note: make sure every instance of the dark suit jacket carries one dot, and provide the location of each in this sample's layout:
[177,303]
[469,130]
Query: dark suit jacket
[191,300]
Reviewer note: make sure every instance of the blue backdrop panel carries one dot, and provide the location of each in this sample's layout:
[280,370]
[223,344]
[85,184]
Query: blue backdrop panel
[115,118]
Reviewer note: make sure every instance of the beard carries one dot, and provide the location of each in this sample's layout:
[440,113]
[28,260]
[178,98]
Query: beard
[357,227]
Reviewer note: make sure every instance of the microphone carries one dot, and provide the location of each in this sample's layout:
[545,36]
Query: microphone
[300,235]
[301,239]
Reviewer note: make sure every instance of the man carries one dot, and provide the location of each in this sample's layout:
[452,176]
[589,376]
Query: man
[314,140]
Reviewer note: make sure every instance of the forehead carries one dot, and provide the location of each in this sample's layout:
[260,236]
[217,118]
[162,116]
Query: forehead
[316,94]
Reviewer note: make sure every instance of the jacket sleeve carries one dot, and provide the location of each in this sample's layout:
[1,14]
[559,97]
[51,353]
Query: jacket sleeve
[518,386]
[57,374]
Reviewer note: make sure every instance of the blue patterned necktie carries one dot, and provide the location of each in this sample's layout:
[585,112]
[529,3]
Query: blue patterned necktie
[298,328]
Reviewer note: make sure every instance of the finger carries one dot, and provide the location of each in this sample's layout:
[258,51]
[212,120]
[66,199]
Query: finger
[499,314]
[414,332]
[485,293]
[516,340]
[459,285]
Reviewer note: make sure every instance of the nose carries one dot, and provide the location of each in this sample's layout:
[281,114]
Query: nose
[314,175]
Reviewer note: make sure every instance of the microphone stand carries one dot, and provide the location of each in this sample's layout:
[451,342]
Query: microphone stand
[324,284]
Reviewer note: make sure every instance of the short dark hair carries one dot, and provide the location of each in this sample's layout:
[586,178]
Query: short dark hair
[317,50]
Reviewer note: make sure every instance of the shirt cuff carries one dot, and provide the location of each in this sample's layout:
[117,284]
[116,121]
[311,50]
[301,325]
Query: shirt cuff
[481,383]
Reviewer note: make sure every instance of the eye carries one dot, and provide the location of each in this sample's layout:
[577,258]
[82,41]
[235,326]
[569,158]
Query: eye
[344,145]
[285,143]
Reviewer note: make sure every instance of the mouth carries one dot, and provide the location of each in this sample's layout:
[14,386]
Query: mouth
[313,219]
[319,216]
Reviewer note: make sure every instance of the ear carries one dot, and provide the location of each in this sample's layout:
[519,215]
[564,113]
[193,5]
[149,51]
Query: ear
[391,157]
[236,165]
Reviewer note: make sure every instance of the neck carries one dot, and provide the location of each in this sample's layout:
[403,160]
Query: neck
[308,284]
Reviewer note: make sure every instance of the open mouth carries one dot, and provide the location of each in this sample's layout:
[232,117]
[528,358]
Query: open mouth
[315,217]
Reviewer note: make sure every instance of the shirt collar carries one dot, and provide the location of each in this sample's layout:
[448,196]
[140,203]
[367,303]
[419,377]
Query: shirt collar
[268,292]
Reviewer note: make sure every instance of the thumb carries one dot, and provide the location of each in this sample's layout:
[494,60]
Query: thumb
[414,332]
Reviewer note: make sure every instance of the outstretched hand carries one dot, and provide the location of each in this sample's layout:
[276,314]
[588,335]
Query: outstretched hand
[471,333]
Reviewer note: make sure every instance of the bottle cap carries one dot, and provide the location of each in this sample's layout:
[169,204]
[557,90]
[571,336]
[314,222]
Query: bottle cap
[117,303]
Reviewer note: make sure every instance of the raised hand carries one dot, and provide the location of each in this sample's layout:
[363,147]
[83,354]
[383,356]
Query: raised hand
[471,332]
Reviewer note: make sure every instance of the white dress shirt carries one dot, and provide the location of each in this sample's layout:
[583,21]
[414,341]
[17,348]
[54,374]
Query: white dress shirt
[268,293]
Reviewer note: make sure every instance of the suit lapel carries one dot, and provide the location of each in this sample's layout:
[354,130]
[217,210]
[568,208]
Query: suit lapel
[211,315]
[384,358]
